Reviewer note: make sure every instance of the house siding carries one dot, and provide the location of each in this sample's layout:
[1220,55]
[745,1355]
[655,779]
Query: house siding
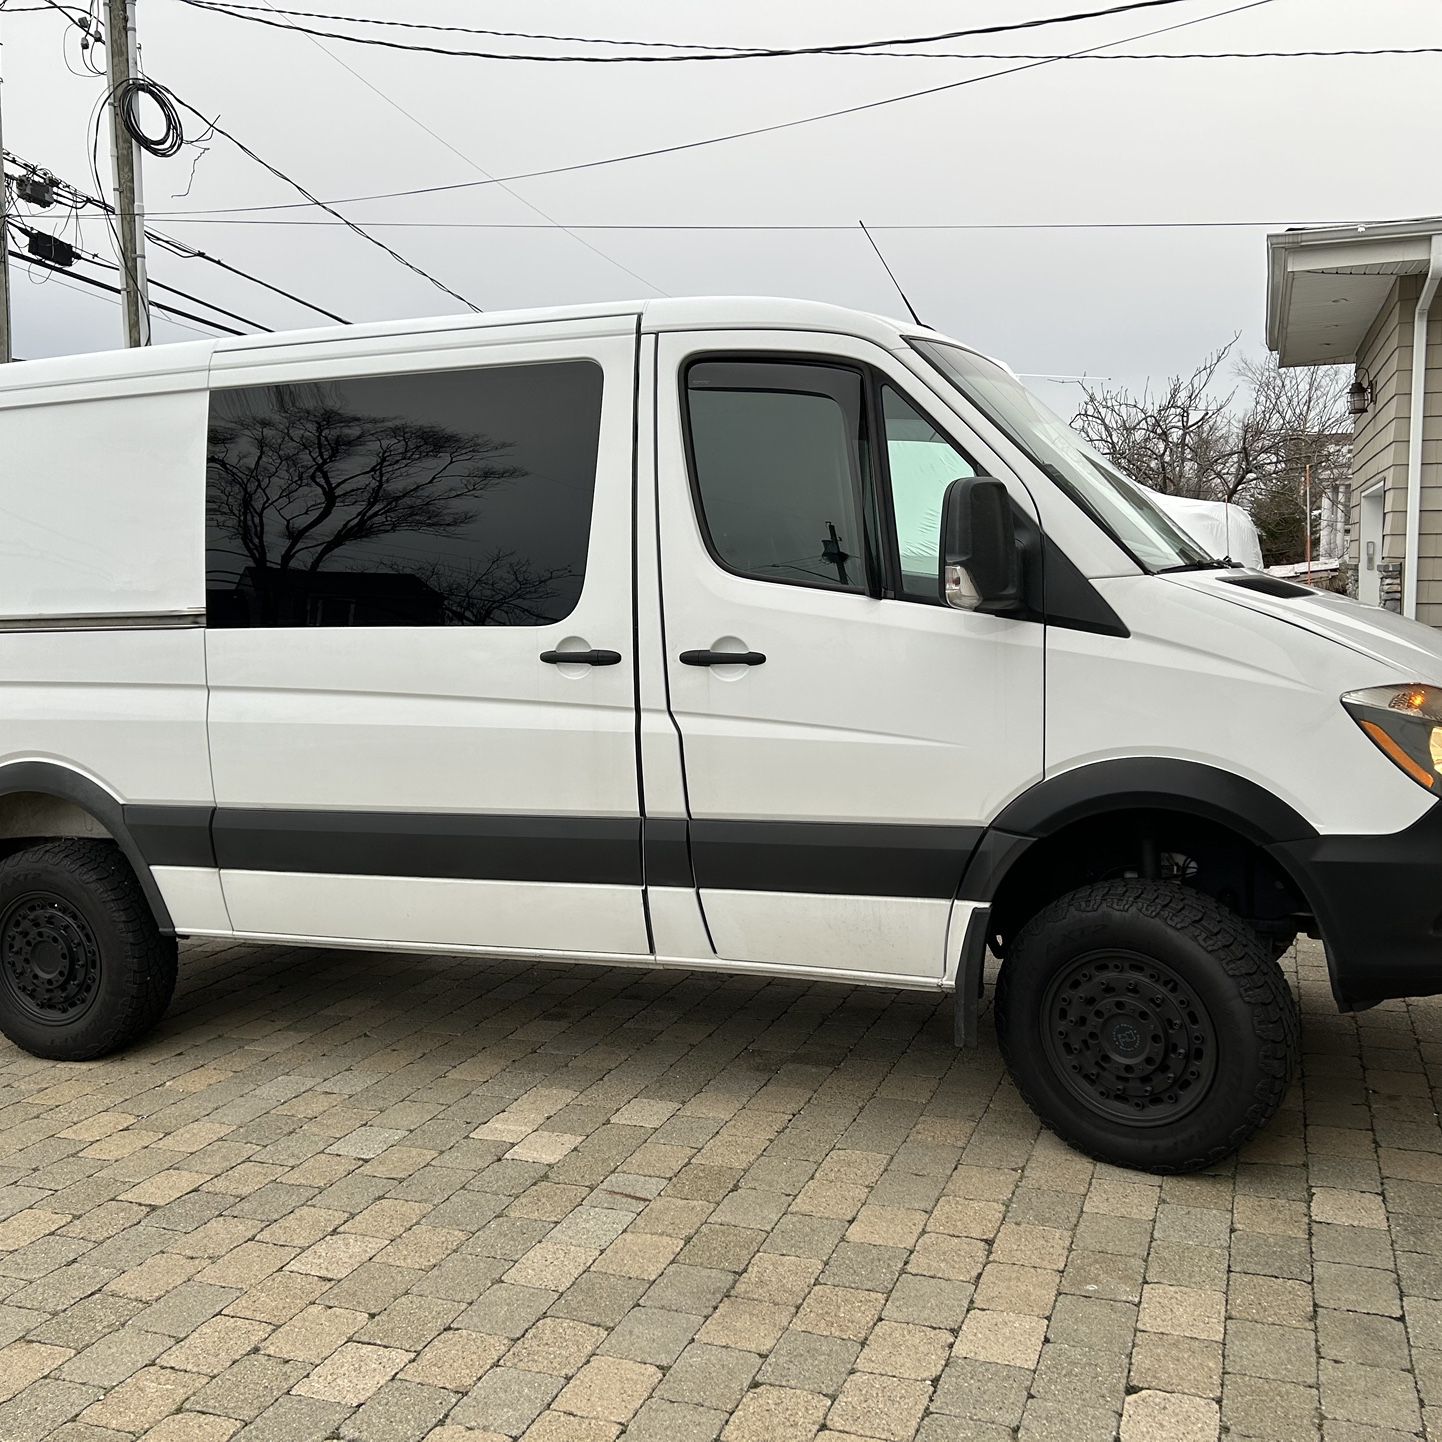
[1379,443]
[1379,451]
[1429,566]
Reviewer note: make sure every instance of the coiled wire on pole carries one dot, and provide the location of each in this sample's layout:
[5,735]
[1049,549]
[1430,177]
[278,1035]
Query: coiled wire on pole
[127,97]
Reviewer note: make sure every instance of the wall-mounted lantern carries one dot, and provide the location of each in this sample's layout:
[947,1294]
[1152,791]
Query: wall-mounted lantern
[1359,394]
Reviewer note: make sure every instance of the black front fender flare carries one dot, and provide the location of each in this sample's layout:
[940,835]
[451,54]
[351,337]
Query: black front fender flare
[1153,783]
[1128,784]
[1116,787]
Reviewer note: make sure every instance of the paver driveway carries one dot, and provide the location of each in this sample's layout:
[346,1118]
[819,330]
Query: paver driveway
[379,1197]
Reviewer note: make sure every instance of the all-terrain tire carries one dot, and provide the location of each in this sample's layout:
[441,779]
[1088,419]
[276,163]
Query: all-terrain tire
[84,969]
[1146,1025]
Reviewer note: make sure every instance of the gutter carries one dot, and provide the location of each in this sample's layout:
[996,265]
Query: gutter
[1416,426]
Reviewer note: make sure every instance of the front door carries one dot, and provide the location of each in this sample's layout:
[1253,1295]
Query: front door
[840,769]
[1370,518]
[403,551]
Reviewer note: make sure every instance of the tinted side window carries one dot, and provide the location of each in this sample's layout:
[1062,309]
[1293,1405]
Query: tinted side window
[454,498]
[777,452]
[922,463]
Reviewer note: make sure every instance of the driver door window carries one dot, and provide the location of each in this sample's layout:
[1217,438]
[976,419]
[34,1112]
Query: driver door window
[778,455]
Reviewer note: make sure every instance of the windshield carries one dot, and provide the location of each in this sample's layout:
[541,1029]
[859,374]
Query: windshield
[1120,506]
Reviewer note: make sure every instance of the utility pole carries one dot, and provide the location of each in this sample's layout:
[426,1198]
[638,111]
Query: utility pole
[121,67]
[4,245]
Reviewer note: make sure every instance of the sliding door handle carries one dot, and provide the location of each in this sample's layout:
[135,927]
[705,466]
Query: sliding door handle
[722,658]
[581,658]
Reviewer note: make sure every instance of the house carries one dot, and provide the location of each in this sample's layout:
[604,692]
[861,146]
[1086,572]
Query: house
[1366,296]
[302,597]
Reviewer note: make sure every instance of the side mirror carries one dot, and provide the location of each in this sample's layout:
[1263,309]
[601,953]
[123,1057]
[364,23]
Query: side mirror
[980,559]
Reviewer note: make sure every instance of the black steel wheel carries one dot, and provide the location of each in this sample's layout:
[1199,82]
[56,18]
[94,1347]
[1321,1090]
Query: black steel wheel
[49,958]
[83,967]
[1146,1024]
[1130,1037]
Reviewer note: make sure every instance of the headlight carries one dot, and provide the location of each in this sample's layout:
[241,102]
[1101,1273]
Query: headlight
[1405,723]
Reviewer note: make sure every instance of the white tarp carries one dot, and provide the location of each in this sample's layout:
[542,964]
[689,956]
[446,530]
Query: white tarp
[1219,527]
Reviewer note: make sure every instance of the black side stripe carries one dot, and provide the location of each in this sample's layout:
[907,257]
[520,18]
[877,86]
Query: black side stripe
[172,835]
[668,862]
[833,858]
[827,858]
[586,850]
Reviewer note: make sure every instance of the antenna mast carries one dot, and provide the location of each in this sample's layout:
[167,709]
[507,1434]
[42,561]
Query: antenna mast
[911,309]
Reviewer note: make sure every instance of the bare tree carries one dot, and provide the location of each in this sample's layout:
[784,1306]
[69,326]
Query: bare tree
[1167,439]
[1250,444]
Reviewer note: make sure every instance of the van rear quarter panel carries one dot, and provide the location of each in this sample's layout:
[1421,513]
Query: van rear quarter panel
[126,709]
[123,707]
[102,490]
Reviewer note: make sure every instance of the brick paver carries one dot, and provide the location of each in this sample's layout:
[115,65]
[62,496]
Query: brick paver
[377,1197]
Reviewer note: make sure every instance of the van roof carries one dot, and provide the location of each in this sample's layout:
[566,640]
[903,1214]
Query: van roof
[673,313]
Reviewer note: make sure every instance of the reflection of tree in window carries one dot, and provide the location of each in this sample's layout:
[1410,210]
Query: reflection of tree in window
[505,589]
[300,482]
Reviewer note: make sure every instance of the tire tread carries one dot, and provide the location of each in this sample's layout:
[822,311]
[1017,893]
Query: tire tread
[1235,947]
[144,976]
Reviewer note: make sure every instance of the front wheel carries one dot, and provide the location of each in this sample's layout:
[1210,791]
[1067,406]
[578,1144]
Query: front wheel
[1146,1025]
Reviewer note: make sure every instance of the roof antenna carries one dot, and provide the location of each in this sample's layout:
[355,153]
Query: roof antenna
[911,309]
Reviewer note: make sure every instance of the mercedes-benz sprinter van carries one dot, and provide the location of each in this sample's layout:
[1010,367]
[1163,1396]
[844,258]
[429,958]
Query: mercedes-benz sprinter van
[745,634]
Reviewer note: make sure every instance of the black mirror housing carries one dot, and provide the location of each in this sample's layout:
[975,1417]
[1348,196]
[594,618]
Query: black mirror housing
[981,566]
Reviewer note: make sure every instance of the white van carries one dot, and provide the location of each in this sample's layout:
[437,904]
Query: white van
[746,634]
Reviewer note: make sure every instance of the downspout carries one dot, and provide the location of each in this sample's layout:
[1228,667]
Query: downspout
[1416,426]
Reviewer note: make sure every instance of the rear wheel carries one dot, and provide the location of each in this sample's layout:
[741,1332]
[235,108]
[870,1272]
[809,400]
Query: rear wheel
[83,966]
[1146,1024]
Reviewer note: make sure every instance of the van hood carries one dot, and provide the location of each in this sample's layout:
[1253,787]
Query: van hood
[1413,649]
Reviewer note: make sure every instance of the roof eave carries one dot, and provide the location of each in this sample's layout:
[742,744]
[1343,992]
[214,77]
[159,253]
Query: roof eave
[1333,250]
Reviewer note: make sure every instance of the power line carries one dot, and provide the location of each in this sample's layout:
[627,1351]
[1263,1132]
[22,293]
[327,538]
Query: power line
[69,12]
[760,53]
[478,168]
[327,207]
[772,129]
[818,227]
[475,30]
[741,51]
[864,49]
[1158,54]
[93,259]
[167,100]
[177,247]
[65,284]
[255,325]
[189,252]
[67,281]
[116,290]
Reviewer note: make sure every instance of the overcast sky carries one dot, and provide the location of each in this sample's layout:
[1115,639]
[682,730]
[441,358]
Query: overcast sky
[1266,141]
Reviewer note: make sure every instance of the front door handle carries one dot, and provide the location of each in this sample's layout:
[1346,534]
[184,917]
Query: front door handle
[722,658]
[581,658]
